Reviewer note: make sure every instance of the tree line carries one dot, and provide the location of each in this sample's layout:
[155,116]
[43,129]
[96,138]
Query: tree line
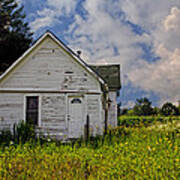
[143,107]
[15,34]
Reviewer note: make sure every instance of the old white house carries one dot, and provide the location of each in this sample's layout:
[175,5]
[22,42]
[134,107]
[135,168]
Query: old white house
[53,88]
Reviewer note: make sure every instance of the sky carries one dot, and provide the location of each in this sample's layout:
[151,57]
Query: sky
[143,36]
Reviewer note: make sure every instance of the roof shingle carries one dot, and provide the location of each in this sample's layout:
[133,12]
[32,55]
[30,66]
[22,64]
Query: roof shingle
[110,74]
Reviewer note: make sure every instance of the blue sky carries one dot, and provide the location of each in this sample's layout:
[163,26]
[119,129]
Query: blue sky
[143,36]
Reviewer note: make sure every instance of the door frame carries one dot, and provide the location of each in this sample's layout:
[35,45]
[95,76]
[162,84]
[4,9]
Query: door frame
[84,110]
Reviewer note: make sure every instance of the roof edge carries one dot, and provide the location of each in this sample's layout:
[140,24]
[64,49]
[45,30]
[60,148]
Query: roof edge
[16,62]
[60,43]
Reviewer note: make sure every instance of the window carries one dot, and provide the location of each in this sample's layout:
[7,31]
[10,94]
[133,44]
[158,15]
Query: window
[32,104]
[76,101]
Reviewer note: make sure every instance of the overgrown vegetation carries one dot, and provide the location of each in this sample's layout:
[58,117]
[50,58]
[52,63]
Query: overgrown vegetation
[124,153]
[145,120]
[22,133]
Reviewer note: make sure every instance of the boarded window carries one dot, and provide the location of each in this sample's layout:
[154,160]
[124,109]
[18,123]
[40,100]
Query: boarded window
[32,104]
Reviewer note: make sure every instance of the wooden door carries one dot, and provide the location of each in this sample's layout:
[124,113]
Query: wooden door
[75,117]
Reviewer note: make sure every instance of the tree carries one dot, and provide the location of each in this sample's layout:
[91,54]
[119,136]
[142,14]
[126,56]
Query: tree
[143,107]
[156,111]
[15,35]
[178,108]
[169,109]
[123,111]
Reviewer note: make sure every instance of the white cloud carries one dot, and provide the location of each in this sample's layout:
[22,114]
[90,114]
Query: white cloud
[51,14]
[172,21]
[41,22]
[62,7]
[19,1]
[155,17]
[147,14]
[100,33]
[162,77]
[104,37]
[129,104]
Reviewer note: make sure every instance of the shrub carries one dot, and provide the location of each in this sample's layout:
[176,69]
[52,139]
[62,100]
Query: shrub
[169,109]
[24,132]
[6,137]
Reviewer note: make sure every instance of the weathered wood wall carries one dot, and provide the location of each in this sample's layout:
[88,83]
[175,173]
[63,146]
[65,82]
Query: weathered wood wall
[53,110]
[11,109]
[50,67]
[95,112]
[112,112]
[53,115]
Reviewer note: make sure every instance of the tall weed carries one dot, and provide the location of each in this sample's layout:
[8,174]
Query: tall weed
[124,153]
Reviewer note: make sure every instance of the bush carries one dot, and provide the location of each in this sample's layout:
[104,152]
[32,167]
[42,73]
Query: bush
[22,132]
[169,109]
[143,107]
[6,137]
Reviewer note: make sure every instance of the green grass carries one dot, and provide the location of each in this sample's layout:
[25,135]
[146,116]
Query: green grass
[125,153]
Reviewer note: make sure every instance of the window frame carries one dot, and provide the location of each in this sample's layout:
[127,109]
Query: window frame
[39,107]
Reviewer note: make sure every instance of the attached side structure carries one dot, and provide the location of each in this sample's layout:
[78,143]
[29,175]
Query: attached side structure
[111,75]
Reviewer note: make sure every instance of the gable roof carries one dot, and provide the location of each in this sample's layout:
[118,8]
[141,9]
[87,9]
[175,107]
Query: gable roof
[63,46]
[111,75]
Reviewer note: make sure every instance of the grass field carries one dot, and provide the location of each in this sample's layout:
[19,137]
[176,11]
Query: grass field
[125,153]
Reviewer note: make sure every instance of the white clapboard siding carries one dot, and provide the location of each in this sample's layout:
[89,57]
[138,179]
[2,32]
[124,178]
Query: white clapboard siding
[112,111]
[94,110]
[53,111]
[54,76]
[11,109]
[50,66]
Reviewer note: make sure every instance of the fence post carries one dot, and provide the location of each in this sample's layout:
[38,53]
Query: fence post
[87,128]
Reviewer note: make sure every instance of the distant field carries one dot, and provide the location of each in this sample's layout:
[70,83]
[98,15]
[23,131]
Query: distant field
[125,153]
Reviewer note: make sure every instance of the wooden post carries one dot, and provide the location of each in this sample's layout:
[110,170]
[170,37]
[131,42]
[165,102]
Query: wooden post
[106,115]
[106,119]
[87,128]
